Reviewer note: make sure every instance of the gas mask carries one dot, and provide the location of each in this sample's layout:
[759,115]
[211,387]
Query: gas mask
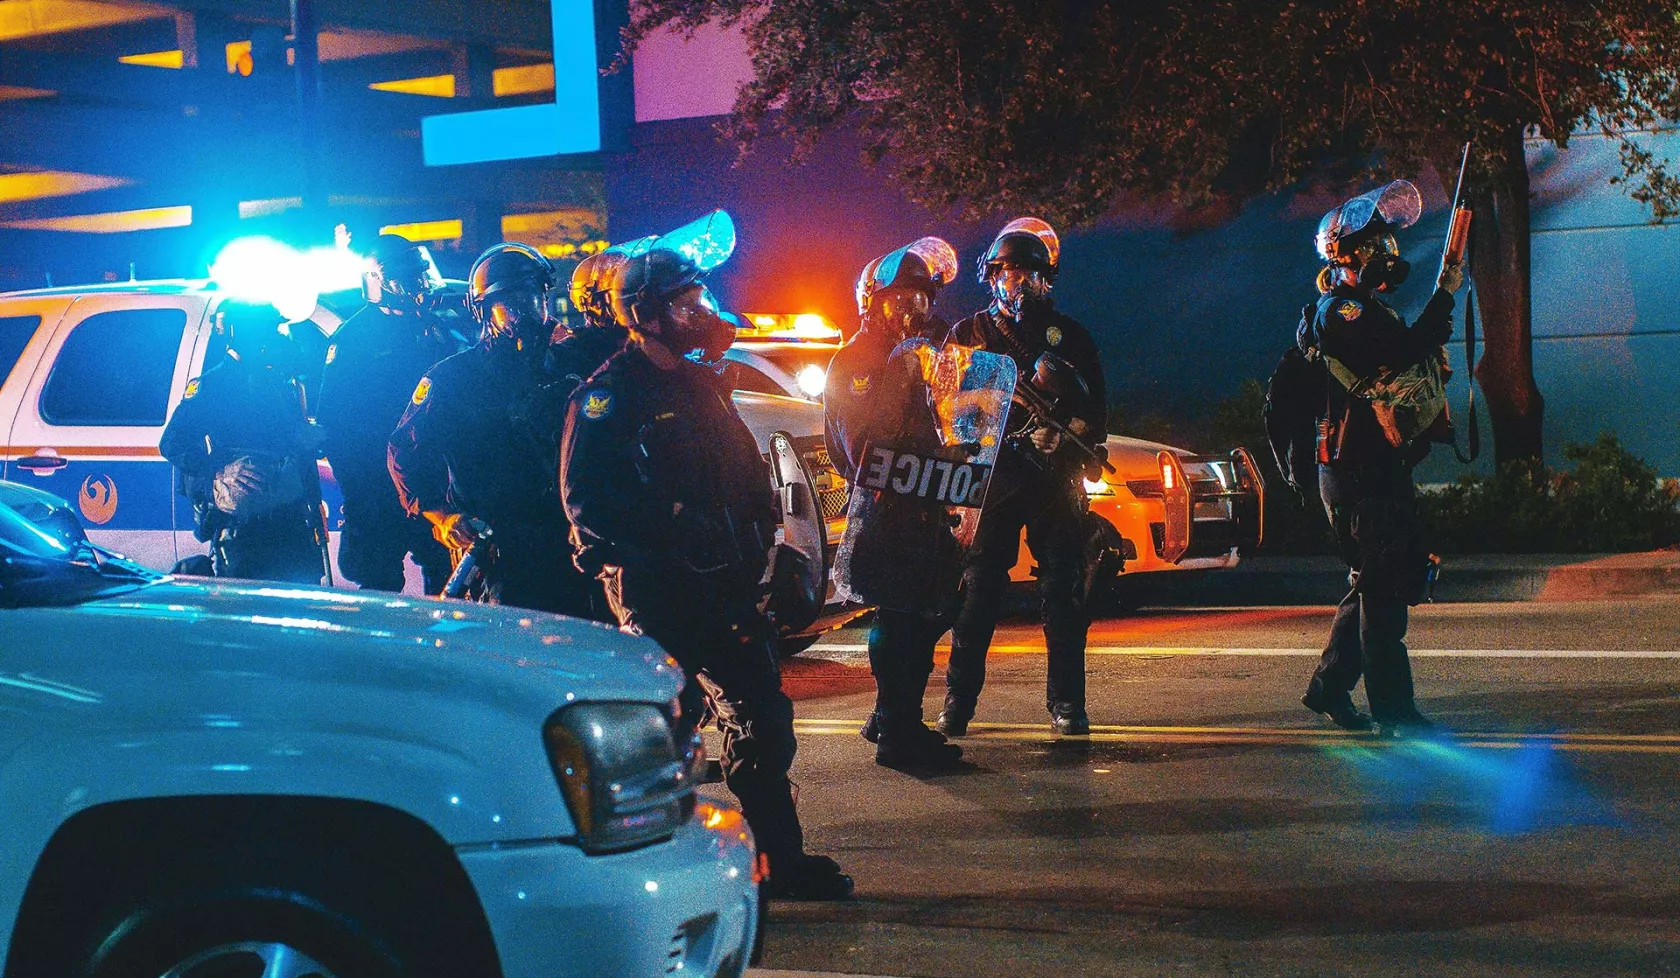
[692,325]
[1016,290]
[903,313]
[1381,269]
[517,318]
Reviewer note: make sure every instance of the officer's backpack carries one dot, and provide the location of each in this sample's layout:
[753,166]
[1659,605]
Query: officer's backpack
[1294,401]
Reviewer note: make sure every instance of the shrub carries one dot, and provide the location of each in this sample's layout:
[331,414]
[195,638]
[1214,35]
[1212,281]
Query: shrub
[1610,502]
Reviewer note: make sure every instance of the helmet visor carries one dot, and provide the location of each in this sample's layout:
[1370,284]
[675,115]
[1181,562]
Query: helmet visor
[707,242]
[1042,229]
[411,274]
[936,256]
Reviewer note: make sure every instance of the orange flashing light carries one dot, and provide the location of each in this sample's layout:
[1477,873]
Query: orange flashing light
[804,326]
[761,868]
[718,819]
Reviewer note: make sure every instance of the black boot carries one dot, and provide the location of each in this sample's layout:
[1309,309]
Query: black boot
[1070,721]
[807,877]
[953,719]
[871,729]
[915,748]
[1338,707]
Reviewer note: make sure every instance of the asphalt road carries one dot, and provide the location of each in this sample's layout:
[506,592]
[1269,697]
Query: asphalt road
[1212,826]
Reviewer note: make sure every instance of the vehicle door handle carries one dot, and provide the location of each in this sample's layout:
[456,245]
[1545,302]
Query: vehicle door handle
[42,463]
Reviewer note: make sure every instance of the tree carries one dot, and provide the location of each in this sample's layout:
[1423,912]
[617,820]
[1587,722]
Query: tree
[1066,108]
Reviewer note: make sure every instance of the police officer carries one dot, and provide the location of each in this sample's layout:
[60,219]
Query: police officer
[375,360]
[870,400]
[1365,478]
[475,451]
[246,454]
[1037,484]
[671,505]
[585,350]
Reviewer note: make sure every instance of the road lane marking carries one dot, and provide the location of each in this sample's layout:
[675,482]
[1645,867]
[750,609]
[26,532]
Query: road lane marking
[1282,736]
[851,649]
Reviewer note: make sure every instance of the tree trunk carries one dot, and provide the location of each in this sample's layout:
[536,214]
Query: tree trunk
[1500,263]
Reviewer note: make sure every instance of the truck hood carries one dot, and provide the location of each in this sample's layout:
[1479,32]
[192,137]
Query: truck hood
[192,631]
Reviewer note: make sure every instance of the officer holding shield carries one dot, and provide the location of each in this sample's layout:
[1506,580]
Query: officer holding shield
[1037,485]
[1365,461]
[877,399]
[671,506]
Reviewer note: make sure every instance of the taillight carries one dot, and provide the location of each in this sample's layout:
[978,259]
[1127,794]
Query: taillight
[1175,494]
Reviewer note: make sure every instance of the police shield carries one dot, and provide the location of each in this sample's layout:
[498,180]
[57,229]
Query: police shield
[797,577]
[917,499]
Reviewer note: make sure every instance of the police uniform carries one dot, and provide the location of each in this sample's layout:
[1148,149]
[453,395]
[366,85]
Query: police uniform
[372,367]
[1368,494]
[476,440]
[1049,503]
[234,410]
[670,504]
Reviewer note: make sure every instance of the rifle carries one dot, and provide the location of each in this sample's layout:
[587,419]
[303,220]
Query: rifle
[1050,372]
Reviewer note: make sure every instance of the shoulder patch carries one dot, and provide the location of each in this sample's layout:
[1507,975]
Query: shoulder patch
[422,391]
[861,384]
[332,352]
[597,403]
[192,390]
[1053,335]
[1350,310]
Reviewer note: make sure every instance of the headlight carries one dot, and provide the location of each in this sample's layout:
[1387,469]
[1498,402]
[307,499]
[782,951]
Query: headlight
[1098,487]
[623,776]
[812,380]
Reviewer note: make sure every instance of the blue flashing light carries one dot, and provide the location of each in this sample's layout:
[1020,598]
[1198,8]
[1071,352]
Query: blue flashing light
[570,124]
[261,269]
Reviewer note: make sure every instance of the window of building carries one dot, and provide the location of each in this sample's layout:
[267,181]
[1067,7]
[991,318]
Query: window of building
[115,368]
[15,333]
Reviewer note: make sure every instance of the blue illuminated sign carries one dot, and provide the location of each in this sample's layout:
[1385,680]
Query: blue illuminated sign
[571,124]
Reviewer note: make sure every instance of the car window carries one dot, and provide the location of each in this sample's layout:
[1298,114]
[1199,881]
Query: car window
[738,376]
[15,332]
[115,368]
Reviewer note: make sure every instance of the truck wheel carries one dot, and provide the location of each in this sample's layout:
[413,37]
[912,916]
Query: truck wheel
[255,936]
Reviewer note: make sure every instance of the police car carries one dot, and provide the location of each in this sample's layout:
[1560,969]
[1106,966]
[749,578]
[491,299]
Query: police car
[1162,509]
[184,796]
[92,374]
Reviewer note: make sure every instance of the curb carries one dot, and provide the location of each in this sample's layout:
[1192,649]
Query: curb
[1478,578]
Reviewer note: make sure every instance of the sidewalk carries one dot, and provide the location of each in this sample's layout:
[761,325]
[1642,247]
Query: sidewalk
[1485,577]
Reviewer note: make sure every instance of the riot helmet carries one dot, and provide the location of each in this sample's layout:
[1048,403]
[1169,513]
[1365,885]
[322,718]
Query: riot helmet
[899,288]
[660,291]
[510,292]
[255,333]
[1357,242]
[1021,264]
[400,275]
[592,276]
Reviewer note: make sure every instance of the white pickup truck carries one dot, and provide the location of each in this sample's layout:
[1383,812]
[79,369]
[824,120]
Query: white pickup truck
[202,777]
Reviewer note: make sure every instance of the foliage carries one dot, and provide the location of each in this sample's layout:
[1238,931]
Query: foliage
[1611,501]
[1063,109]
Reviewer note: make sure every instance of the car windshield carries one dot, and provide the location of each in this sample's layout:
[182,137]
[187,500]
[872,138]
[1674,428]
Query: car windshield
[38,568]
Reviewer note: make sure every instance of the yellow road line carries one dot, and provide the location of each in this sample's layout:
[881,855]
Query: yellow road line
[1283,736]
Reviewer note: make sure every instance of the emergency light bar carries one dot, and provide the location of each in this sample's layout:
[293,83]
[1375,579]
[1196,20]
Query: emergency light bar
[786,326]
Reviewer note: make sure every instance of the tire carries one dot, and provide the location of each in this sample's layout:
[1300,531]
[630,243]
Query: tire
[238,937]
[786,648]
